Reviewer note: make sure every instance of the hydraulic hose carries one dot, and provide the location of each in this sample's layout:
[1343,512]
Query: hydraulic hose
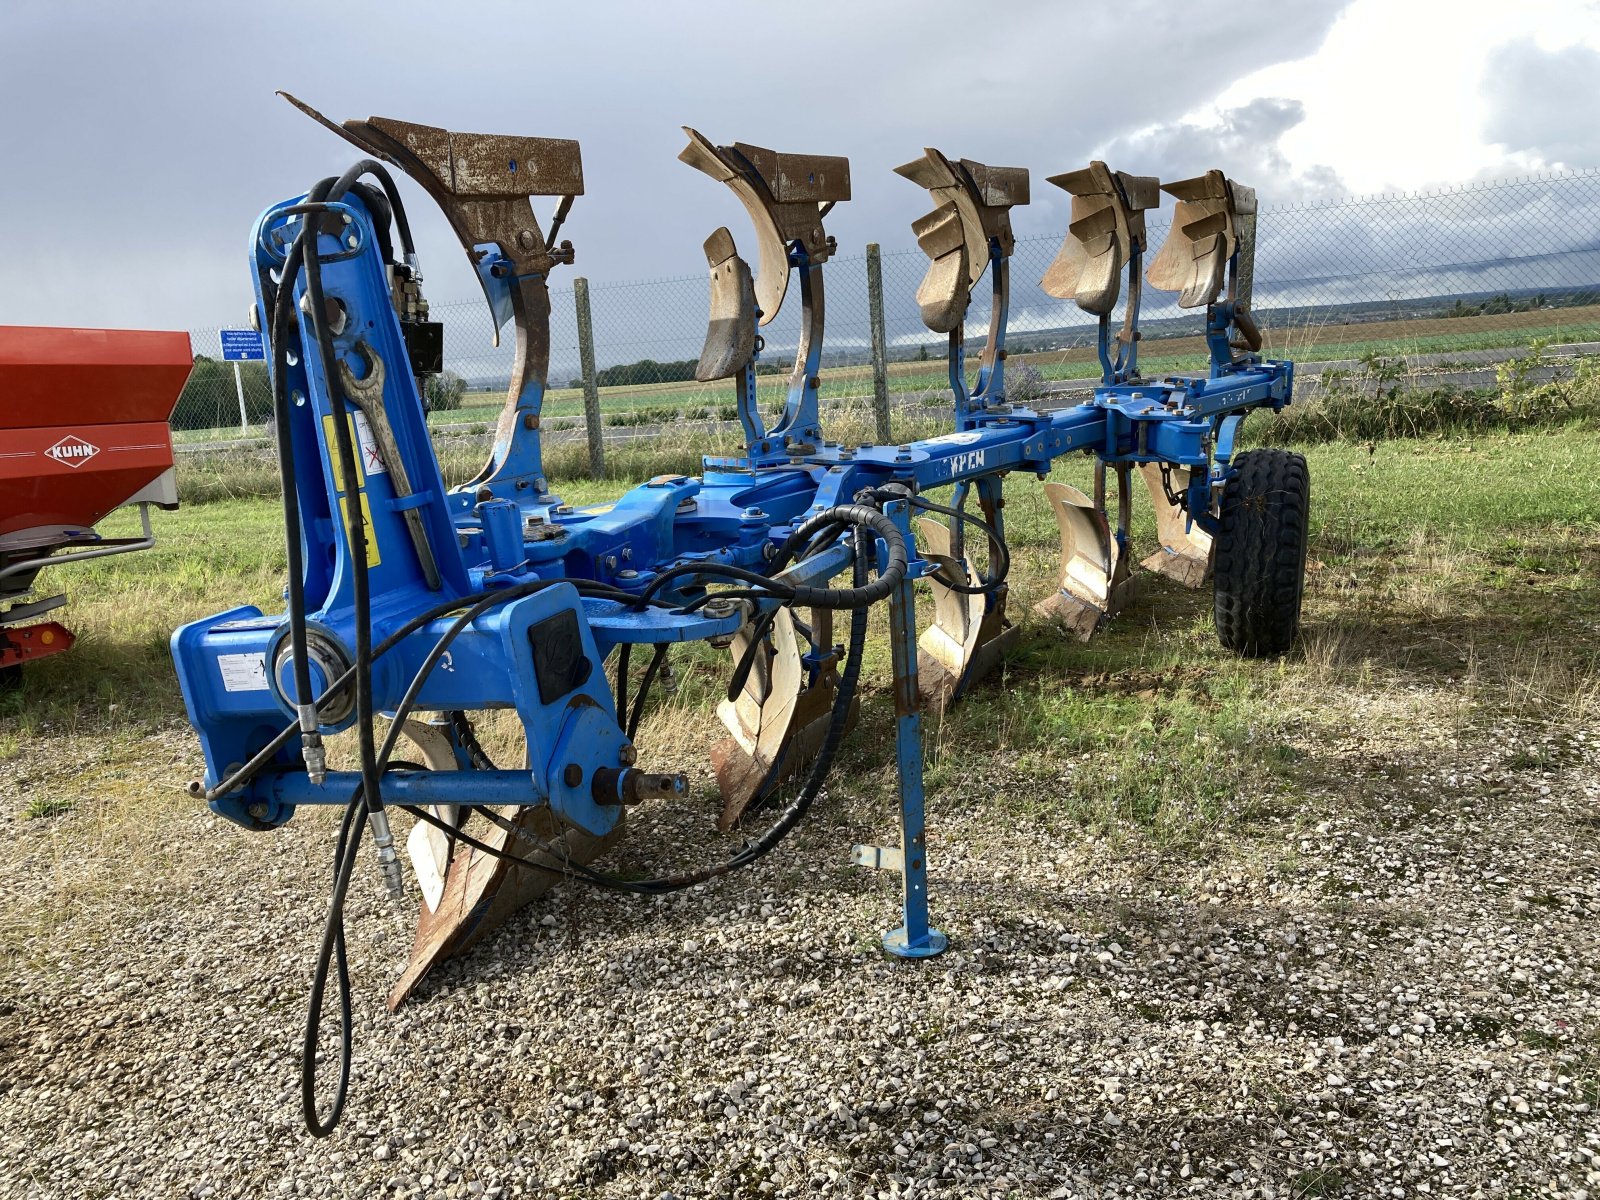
[785,823]
[332,952]
[355,526]
[1001,564]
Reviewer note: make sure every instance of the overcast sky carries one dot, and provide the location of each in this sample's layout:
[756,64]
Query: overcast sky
[141,140]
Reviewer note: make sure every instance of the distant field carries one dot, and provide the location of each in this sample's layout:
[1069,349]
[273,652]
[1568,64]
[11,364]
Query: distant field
[1304,342]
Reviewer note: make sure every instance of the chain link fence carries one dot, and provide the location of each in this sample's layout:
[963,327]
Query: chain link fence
[1454,276]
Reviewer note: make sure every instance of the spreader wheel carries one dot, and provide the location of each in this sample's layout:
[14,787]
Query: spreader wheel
[1260,566]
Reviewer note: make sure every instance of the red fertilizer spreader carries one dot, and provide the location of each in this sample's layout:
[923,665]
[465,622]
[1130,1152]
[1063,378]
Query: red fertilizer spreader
[83,430]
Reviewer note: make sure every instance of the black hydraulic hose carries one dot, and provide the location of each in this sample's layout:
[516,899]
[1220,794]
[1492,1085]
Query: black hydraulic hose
[408,701]
[860,515]
[1000,567]
[624,658]
[280,324]
[759,629]
[890,574]
[355,522]
[468,738]
[650,672]
[369,166]
[770,587]
[752,851]
[310,263]
[332,952]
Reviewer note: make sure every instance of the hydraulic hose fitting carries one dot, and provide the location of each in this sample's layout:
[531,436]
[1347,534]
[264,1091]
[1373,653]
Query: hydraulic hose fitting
[388,860]
[311,744]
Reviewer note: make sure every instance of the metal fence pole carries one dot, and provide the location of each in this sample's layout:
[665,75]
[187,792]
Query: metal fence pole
[238,386]
[591,388]
[880,348]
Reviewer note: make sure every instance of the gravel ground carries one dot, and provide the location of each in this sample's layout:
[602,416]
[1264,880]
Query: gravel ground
[1387,988]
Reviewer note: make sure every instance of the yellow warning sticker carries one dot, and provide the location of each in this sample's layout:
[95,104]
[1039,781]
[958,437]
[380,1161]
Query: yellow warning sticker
[338,459]
[373,557]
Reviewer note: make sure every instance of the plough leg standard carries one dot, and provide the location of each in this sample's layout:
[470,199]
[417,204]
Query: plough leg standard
[426,604]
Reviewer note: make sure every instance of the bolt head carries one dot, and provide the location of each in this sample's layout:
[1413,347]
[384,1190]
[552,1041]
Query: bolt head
[628,755]
[573,775]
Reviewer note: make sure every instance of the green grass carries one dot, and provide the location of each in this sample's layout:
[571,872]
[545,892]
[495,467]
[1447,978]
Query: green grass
[1466,564]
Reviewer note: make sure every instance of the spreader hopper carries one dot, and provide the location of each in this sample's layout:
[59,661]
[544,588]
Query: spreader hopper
[83,430]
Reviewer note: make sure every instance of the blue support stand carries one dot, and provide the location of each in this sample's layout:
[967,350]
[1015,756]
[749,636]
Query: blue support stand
[914,938]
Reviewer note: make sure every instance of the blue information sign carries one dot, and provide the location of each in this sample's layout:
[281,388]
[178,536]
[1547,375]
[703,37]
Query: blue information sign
[241,345]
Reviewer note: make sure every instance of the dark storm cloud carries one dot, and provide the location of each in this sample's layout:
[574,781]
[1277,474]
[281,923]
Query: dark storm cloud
[140,141]
[1244,141]
[1542,103]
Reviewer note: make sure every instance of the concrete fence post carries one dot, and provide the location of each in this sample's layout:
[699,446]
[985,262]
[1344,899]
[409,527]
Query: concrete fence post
[880,346]
[591,388]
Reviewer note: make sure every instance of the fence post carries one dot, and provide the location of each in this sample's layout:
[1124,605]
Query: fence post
[880,349]
[591,389]
[238,386]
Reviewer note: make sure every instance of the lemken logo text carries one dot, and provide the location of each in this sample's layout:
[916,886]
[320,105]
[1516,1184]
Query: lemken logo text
[970,460]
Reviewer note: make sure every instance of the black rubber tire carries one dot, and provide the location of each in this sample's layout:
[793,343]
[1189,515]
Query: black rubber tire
[1260,564]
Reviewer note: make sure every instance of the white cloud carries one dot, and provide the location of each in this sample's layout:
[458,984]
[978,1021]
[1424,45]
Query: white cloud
[1399,94]
[1543,103]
